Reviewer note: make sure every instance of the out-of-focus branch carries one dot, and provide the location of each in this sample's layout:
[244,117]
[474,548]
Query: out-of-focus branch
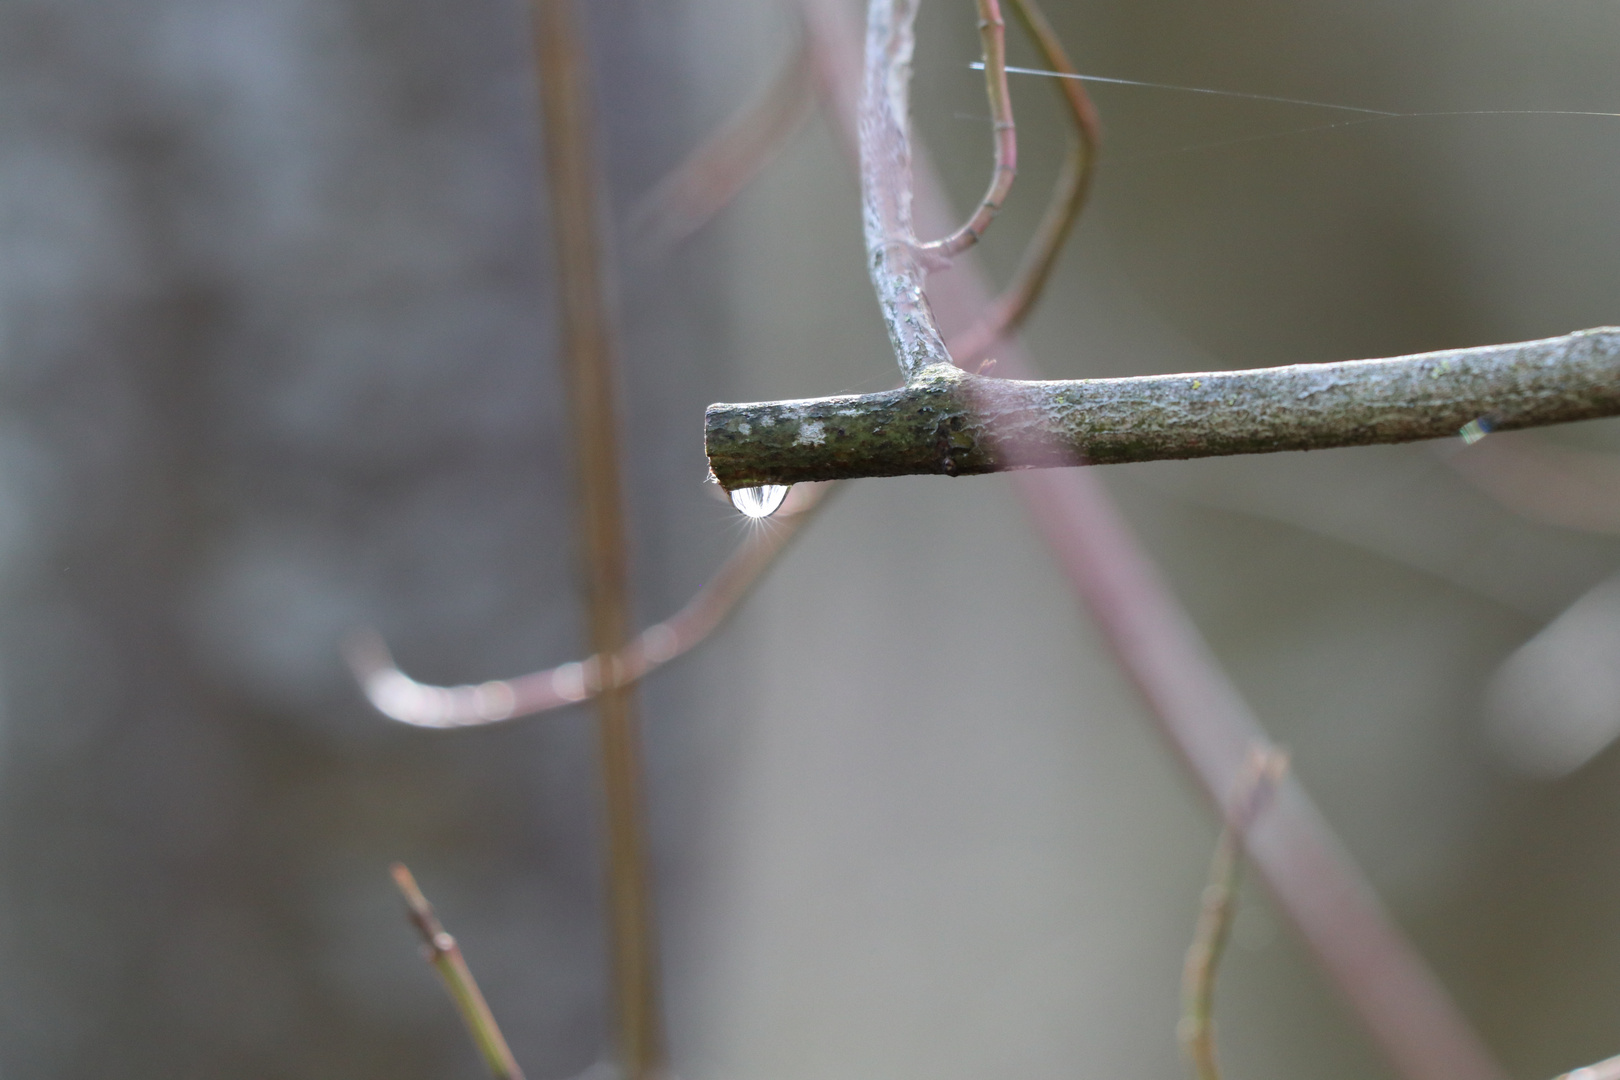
[444,954]
[723,164]
[1574,489]
[1608,1069]
[1009,310]
[1216,909]
[1200,713]
[397,695]
[950,422]
[588,350]
[993,35]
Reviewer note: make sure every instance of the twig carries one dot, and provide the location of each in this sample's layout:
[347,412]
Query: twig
[444,954]
[588,349]
[1608,1069]
[1197,1028]
[1009,310]
[951,422]
[723,164]
[1209,727]
[397,695]
[993,35]
[1573,489]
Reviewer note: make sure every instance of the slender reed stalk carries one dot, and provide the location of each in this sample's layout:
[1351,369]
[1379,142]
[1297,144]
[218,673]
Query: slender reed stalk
[445,956]
[588,350]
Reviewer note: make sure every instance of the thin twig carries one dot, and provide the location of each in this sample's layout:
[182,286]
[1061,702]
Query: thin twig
[993,36]
[1559,485]
[588,350]
[722,165]
[1216,909]
[444,954]
[1204,719]
[1009,310]
[397,695]
[1608,1069]
[947,421]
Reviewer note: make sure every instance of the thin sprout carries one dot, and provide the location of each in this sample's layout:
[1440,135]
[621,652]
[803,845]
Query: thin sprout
[400,697]
[1196,1031]
[1009,310]
[993,34]
[445,956]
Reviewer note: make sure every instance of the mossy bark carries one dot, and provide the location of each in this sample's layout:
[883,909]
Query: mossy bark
[949,422]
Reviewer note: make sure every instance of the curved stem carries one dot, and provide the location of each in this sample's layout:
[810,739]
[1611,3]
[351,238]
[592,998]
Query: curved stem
[993,34]
[724,162]
[1009,310]
[400,697]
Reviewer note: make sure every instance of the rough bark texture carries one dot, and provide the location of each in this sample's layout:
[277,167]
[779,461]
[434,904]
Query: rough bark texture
[949,421]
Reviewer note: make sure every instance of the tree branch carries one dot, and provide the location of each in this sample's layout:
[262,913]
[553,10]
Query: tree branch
[950,422]
[1210,728]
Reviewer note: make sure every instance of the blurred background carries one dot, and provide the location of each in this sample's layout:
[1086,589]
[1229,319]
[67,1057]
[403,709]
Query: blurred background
[278,360]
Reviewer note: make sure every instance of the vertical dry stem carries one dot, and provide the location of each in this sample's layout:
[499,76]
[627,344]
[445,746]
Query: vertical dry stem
[445,956]
[588,348]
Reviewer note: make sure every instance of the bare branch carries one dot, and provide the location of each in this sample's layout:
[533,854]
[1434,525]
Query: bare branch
[1009,310]
[896,267]
[1196,1031]
[397,695]
[993,34]
[588,349]
[722,165]
[1207,724]
[950,422]
[445,956]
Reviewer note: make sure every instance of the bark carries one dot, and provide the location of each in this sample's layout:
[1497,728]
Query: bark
[948,421]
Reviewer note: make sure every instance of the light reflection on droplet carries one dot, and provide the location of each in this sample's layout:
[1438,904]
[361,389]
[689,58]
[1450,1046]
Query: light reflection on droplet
[759,502]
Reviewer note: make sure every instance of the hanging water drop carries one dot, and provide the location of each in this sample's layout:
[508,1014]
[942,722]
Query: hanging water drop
[759,502]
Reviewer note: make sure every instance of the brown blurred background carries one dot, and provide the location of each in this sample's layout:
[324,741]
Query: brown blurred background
[277,359]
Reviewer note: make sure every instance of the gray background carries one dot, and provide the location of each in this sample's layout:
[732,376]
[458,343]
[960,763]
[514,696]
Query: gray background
[277,359]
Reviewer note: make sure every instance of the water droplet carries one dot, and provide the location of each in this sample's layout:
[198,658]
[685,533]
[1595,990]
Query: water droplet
[759,502]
